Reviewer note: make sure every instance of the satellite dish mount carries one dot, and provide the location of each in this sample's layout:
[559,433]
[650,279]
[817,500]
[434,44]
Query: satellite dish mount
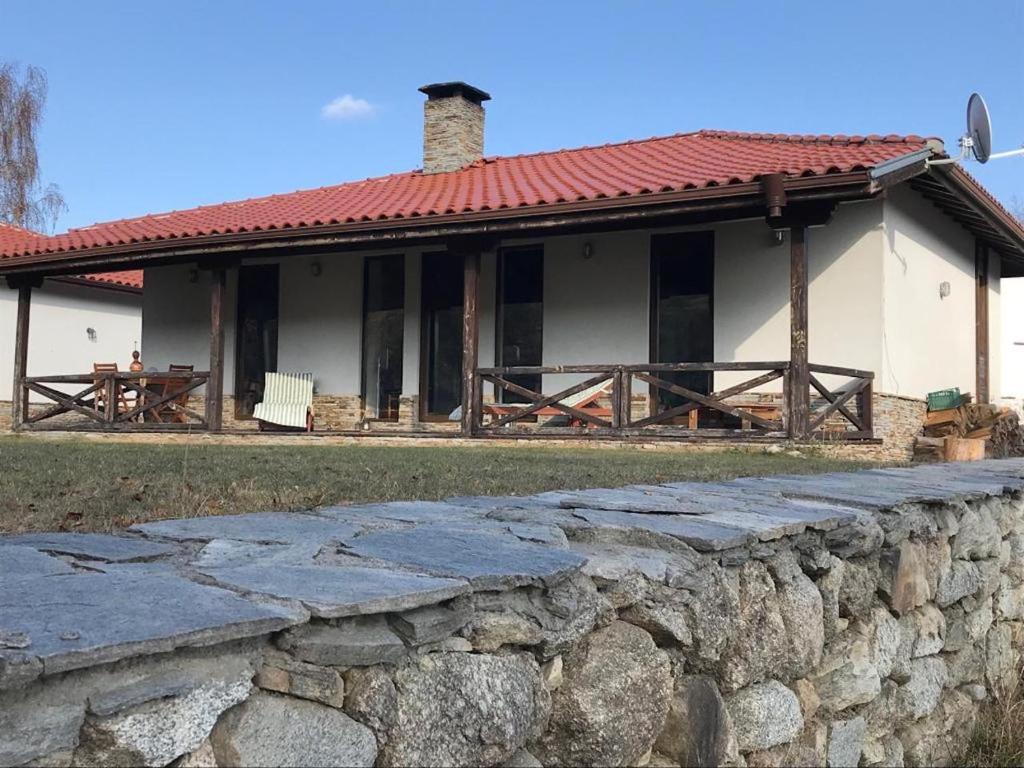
[977,142]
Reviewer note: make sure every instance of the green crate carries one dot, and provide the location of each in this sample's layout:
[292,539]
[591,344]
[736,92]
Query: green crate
[943,399]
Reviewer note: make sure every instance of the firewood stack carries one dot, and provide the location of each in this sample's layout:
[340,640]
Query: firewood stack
[970,431]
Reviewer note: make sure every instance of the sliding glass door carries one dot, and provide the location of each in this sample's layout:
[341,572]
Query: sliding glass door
[383,331]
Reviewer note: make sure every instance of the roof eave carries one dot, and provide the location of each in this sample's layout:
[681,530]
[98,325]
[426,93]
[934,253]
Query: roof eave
[502,222]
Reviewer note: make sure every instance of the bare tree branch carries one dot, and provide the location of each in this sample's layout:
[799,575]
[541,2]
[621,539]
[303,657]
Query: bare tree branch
[23,200]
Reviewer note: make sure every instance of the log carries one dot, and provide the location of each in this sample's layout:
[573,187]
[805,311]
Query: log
[963,449]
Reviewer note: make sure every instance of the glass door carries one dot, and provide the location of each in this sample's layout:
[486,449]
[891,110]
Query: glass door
[255,334]
[441,347]
[383,332]
[520,315]
[682,321]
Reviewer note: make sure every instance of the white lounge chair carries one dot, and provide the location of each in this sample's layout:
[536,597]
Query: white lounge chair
[287,401]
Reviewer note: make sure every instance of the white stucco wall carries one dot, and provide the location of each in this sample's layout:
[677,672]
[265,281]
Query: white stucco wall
[1012,341]
[928,341]
[176,321]
[58,339]
[874,276]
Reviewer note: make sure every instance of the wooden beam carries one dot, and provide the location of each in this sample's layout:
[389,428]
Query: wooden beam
[981,358]
[799,395]
[19,394]
[470,340]
[215,385]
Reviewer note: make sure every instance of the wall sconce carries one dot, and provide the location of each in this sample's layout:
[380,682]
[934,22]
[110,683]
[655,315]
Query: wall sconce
[944,289]
[193,275]
[588,250]
[779,236]
[316,269]
[91,333]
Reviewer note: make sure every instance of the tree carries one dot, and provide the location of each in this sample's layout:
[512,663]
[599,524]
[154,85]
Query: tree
[1017,208]
[24,202]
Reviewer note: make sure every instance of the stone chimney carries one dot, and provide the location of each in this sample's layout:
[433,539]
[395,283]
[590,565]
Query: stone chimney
[453,126]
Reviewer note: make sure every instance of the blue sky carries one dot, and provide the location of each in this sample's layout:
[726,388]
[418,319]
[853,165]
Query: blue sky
[155,107]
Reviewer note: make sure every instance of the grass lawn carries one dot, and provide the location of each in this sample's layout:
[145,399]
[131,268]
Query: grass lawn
[91,486]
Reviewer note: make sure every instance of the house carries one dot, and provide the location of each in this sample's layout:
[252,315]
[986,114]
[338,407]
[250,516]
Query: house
[713,284]
[76,320]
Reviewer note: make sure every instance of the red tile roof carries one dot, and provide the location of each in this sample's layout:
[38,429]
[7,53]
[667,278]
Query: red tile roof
[665,164]
[13,238]
[131,278]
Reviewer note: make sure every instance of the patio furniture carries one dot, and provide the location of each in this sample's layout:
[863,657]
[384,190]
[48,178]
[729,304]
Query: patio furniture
[287,402]
[100,400]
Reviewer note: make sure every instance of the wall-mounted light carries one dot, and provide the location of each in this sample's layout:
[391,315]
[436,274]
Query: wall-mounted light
[779,236]
[944,289]
[91,333]
[588,250]
[193,275]
[316,269]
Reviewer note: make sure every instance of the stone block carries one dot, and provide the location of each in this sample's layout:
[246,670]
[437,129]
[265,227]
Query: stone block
[465,709]
[764,715]
[612,703]
[360,641]
[698,730]
[432,623]
[284,674]
[845,743]
[272,730]
[372,700]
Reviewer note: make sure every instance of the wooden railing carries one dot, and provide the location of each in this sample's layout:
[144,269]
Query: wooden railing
[117,401]
[843,413]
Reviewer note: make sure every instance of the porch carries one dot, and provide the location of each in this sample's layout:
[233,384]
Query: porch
[451,392]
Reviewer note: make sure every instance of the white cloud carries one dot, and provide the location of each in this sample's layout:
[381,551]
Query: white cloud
[347,107]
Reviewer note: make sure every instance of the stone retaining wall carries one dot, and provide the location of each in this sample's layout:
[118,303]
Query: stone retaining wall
[842,620]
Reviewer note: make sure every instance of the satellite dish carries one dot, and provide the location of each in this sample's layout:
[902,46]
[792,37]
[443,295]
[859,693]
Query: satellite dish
[979,128]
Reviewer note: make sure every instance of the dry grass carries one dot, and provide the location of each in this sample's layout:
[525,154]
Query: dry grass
[76,485]
[998,738]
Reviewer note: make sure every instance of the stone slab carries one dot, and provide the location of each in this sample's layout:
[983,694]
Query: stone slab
[95,546]
[487,560]
[634,499]
[401,511]
[333,592]
[225,553]
[699,533]
[362,641]
[270,527]
[85,619]
[18,562]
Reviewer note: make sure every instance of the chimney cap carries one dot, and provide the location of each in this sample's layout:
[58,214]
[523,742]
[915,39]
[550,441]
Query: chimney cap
[455,88]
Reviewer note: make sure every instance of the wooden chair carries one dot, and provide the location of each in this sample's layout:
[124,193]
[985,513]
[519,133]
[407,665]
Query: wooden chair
[174,406]
[100,400]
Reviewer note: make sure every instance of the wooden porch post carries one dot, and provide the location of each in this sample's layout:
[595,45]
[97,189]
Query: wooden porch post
[470,339]
[215,385]
[798,402]
[19,394]
[981,360]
